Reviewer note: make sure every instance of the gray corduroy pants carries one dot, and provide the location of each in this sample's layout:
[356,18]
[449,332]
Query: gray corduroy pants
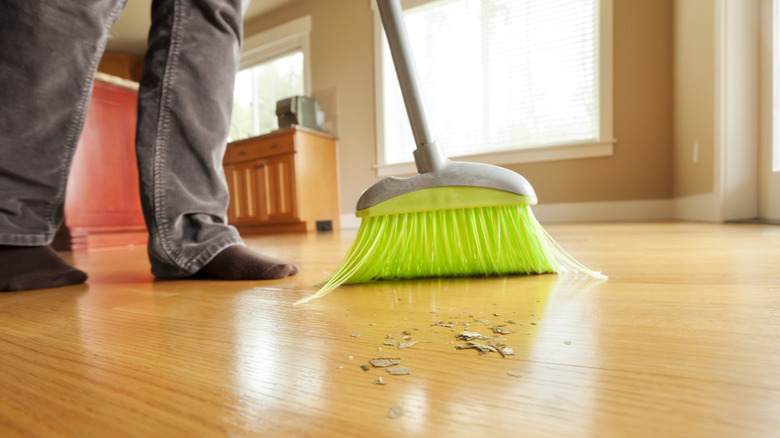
[49,51]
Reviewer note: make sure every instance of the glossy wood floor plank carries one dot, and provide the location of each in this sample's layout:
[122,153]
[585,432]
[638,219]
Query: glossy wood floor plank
[682,340]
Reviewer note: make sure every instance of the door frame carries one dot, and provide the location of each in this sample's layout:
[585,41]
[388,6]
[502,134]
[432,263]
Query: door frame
[769,176]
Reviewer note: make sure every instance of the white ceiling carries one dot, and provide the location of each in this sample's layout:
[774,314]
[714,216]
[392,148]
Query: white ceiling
[132,27]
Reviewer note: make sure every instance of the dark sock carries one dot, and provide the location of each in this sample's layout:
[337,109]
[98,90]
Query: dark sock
[241,263]
[35,267]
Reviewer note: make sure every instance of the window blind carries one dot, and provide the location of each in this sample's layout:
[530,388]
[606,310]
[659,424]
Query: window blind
[498,75]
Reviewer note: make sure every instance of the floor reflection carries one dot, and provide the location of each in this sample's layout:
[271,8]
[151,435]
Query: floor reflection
[544,314]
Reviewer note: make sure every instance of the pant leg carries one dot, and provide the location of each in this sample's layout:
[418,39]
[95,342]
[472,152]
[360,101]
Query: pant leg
[185,104]
[49,51]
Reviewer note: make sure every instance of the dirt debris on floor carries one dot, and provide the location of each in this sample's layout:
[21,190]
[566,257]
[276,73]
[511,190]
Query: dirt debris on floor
[470,336]
[462,332]
[398,370]
[395,412]
[381,362]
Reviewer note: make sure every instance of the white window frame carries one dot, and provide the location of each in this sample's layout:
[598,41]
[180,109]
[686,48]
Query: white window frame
[603,147]
[278,41]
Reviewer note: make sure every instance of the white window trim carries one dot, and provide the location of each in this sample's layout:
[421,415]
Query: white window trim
[604,147]
[278,41]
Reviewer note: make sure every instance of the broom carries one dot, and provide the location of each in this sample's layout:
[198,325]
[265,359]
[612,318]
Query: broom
[453,218]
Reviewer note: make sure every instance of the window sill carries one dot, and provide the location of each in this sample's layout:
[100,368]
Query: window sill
[567,151]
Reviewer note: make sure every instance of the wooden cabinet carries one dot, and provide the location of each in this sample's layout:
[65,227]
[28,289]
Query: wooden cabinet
[283,181]
[102,203]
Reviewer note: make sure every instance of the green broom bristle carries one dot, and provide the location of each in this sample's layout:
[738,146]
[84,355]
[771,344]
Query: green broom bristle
[480,241]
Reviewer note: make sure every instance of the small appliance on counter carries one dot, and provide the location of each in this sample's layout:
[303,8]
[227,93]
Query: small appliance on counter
[299,110]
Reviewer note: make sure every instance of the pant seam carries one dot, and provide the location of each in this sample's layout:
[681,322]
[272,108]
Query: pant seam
[160,152]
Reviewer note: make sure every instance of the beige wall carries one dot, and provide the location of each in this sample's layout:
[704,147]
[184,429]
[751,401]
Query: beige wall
[694,96]
[341,61]
[641,168]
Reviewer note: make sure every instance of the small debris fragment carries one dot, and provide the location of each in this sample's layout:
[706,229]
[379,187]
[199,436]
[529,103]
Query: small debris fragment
[509,321]
[503,350]
[365,367]
[396,412]
[355,335]
[481,347]
[406,344]
[567,342]
[380,381]
[514,373]
[380,362]
[501,331]
[391,343]
[372,324]
[533,323]
[467,336]
[398,370]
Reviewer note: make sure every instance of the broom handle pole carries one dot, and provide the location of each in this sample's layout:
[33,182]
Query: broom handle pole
[429,155]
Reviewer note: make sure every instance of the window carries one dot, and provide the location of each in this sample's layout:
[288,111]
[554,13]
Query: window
[502,76]
[257,90]
[274,65]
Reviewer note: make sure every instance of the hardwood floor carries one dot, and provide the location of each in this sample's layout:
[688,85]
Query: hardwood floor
[682,340]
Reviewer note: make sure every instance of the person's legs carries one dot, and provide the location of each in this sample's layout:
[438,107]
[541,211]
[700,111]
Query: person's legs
[49,52]
[185,103]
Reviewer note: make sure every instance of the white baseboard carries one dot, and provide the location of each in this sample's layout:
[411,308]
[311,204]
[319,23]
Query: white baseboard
[705,208]
[651,210]
[349,221]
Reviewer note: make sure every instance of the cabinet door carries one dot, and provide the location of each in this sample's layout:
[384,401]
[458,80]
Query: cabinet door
[102,188]
[281,187]
[261,191]
[248,184]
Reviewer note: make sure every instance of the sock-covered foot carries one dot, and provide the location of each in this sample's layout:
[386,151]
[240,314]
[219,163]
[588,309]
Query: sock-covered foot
[241,263]
[35,267]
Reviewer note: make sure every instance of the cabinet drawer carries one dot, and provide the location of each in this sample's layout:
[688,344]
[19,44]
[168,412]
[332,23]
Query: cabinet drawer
[260,148]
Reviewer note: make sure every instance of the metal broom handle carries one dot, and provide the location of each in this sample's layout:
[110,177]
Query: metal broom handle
[428,156]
